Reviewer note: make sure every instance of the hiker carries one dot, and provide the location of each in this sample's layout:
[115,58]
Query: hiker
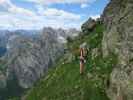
[81,60]
[82,57]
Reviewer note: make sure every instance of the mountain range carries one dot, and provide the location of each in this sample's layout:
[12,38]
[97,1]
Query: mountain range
[28,55]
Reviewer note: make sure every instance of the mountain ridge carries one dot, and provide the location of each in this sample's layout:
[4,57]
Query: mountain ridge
[26,52]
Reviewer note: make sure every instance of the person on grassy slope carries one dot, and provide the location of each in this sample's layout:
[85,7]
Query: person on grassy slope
[82,57]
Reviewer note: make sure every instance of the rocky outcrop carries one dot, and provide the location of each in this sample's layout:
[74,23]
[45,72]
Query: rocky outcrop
[118,39]
[29,59]
[2,81]
[89,25]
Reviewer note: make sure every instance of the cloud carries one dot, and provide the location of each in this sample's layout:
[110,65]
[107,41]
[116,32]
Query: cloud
[95,16]
[12,21]
[16,17]
[11,8]
[1,1]
[60,14]
[46,2]
[84,5]
[21,18]
[17,10]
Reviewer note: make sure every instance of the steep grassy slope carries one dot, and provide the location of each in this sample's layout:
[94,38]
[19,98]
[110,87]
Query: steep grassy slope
[63,82]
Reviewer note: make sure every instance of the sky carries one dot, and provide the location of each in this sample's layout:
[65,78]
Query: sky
[36,14]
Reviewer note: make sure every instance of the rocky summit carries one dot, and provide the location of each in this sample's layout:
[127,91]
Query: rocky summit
[29,59]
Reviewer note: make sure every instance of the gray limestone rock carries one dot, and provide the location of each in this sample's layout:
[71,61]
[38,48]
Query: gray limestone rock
[29,59]
[118,39]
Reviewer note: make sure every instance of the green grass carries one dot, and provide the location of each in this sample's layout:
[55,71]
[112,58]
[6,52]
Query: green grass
[93,39]
[63,82]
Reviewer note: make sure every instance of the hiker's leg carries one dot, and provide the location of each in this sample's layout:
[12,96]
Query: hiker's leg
[81,67]
[119,94]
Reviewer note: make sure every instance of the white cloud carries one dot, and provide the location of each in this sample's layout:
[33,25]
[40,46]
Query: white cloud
[18,10]
[60,14]
[11,8]
[1,1]
[84,5]
[20,18]
[12,21]
[61,1]
[95,16]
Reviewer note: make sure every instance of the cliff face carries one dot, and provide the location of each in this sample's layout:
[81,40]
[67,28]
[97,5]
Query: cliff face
[29,59]
[118,39]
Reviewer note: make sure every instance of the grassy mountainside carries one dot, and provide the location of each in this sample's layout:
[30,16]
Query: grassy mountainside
[63,82]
